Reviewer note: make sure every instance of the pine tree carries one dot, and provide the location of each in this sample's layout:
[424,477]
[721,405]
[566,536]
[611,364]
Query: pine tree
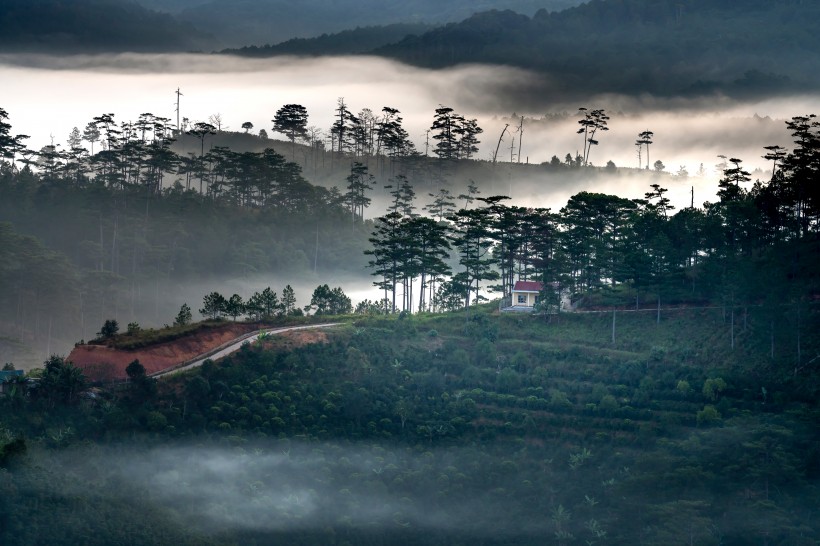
[213,305]
[184,316]
[359,181]
[288,300]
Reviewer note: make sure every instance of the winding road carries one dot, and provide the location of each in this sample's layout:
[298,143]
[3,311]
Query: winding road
[232,346]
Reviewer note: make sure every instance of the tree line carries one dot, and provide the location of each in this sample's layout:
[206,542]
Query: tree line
[98,234]
[115,204]
[606,242]
[140,154]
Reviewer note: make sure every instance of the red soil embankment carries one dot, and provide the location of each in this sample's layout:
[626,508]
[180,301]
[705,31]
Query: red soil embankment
[101,363]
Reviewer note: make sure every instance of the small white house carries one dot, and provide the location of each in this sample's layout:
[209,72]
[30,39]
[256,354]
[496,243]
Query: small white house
[525,293]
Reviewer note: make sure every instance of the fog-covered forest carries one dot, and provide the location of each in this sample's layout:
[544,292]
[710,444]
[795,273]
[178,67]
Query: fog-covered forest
[129,229]
[289,288]
[149,213]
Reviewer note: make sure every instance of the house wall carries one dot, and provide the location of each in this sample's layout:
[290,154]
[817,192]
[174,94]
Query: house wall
[529,297]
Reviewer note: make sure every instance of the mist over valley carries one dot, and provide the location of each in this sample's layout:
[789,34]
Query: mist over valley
[506,272]
[689,132]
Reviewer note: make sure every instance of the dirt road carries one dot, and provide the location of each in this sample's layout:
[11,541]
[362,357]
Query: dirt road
[233,346]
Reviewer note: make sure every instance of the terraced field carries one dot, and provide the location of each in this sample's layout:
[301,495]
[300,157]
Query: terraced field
[459,429]
[639,439]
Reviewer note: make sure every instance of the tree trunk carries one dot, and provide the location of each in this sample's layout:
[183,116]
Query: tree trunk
[613,326]
[658,320]
[797,367]
[771,331]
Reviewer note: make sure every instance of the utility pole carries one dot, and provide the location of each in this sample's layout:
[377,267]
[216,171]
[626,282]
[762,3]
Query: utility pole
[178,94]
[521,138]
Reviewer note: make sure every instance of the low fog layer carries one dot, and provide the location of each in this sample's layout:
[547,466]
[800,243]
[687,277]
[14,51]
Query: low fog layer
[47,97]
[285,487]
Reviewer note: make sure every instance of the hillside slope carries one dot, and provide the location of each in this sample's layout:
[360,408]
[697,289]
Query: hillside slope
[691,48]
[93,26]
[256,22]
[107,363]
[503,408]
[512,429]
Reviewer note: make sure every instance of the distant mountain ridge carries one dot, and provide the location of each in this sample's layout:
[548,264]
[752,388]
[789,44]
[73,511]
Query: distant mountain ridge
[240,23]
[627,46]
[662,47]
[91,26]
[347,42]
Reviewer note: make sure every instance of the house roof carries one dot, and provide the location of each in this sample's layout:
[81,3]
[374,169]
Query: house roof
[528,286]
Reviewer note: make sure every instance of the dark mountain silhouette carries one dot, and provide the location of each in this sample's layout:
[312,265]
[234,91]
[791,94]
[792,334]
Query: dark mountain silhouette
[257,22]
[91,26]
[666,47]
[632,46]
[359,40]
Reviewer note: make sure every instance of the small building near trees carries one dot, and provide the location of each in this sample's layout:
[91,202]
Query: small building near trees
[525,293]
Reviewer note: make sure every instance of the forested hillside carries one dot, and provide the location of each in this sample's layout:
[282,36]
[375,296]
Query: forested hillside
[677,403]
[346,42]
[666,48]
[662,389]
[93,26]
[447,429]
[133,230]
[257,22]
[692,48]
[166,25]
[155,213]
[757,244]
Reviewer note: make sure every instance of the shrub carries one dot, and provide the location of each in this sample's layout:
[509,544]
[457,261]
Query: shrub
[713,387]
[608,404]
[109,329]
[708,415]
[559,399]
[156,421]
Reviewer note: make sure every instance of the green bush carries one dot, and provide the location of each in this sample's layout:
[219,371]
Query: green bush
[709,415]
